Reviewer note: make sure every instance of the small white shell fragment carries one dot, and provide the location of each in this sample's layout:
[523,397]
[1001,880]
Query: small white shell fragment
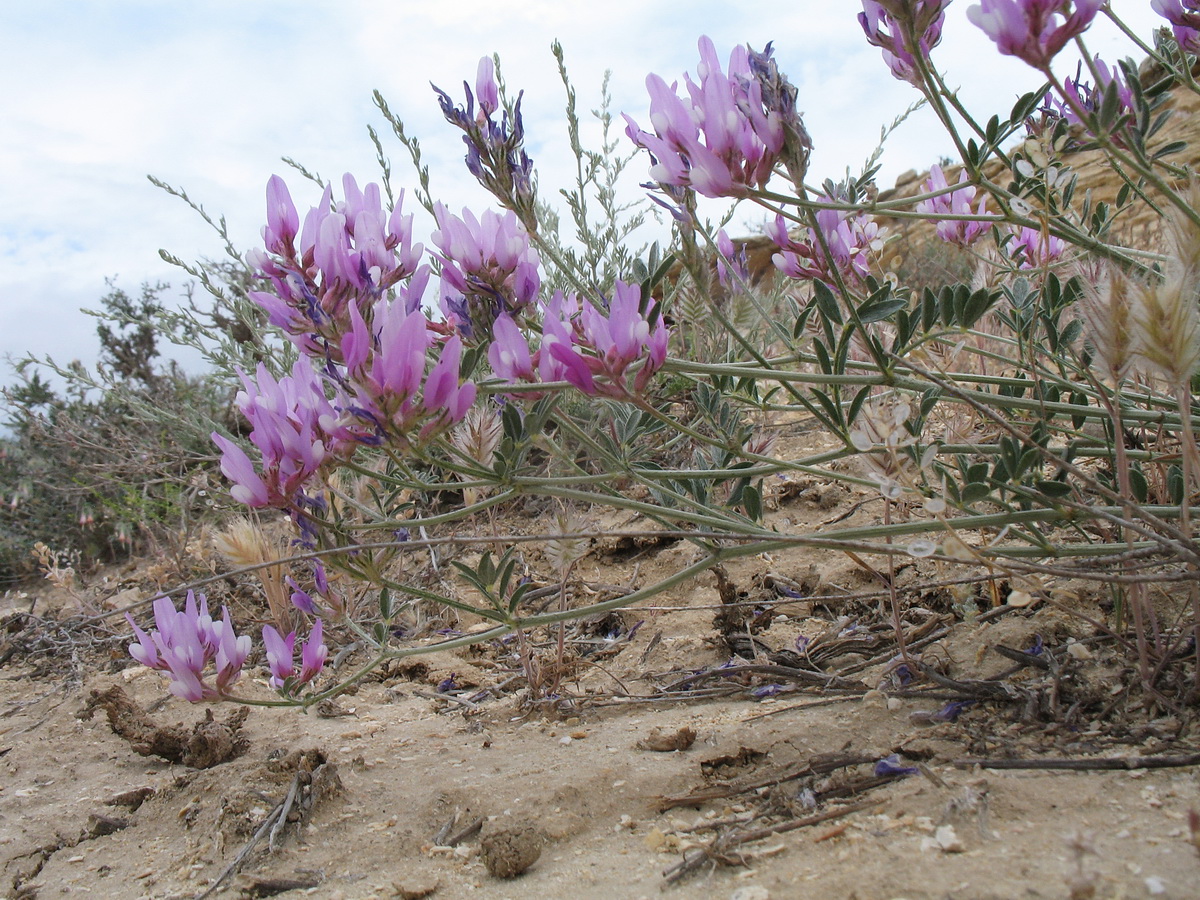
[1078,651]
[944,839]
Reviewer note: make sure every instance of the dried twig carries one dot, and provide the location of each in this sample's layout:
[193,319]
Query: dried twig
[1084,765]
[239,860]
[818,765]
[719,848]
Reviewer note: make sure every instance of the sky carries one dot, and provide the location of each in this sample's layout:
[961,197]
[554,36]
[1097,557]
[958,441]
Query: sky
[210,95]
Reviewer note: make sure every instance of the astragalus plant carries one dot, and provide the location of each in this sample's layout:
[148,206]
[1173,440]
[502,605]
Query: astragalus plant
[1031,426]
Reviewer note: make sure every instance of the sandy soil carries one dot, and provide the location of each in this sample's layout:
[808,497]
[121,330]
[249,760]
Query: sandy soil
[397,771]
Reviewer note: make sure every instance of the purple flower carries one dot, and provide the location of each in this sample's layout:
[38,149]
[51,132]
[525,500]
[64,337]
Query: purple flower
[486,89]
[489,262]
[886,24]
[622,337]
[185,642]
[1082,96]
[766,690]
[731,257]
[349,255]
[1031,29]
[495,150]
[248,487]
[294,428]
[313,654]
[1031,248]
[281,657]
[282,220]
[958,203]
[592,348]
[850,238]
[1184,16]
[724,140]
[301,599]
[508,353]
[444,397]
[779,99]
[388,377]
[891,767]
[951,711]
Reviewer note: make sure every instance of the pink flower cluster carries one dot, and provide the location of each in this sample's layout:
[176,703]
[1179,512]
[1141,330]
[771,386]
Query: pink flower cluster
[295,429]
[590,347]
[1033,30]
[387,384]
[963,232]
[850,237]
[350,254]
[349,296]
[886,24]
[723,141]
[281,657]
[495,150]
[1184,16]
[1031,248]
[488,267]
[185,642]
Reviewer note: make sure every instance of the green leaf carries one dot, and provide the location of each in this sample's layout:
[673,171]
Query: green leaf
[1138,484]
[977,304]
[823,357]
[752,503]
[827,302]
[1053,489]
[929,310]
[1071,333]
[1078,399]
[857,403]
[1025,106]
[1110,105]
[880,305]
[1169,149]
[1175,484]
[974,492]
[992,131]
[831,409]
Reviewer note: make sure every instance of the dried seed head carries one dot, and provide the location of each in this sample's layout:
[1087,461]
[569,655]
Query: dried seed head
[563,552]
[243,543]
[1106,308]
[1167,324]
[478,435]
[1166,314]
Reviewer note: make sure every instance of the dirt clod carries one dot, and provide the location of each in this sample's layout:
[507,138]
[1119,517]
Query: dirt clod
[131,800]
[206,744]
[269,887]
[509,852]
[415,890]
[658,742]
